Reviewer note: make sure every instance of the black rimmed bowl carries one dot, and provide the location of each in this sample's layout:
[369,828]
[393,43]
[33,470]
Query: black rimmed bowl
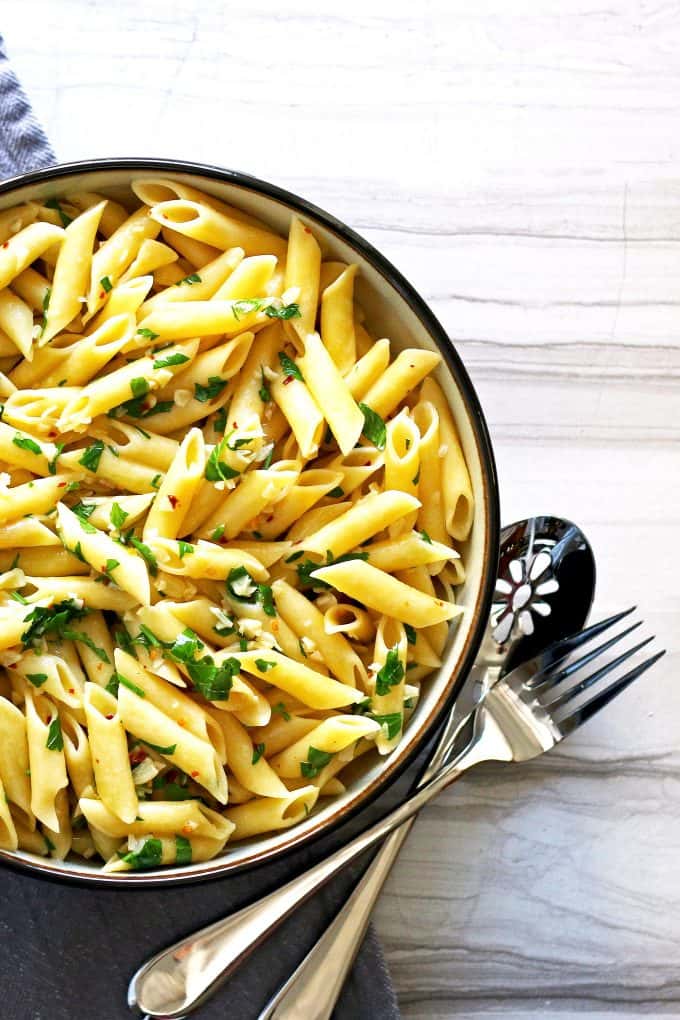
[393,309]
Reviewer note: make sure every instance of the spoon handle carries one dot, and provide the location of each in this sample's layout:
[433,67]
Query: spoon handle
[177,980]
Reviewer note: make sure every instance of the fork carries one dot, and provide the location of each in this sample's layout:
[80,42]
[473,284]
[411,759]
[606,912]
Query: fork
[522,715]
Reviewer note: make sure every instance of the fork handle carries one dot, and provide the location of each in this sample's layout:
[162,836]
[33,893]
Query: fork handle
[314,987]
[178,979]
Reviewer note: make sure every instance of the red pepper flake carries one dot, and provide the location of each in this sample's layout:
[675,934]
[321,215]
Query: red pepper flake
[52,433]
[108,717]
[6,244]
[307,230]
[137,756]
[234,424]
[222,540]
[187,830]
[173,501]
[172,776]
[102,293]
[61,485]
[195,774]
[275,626]
[72,690]
[288,379]
[182,722]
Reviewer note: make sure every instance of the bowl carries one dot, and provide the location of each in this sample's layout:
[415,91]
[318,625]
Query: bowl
[394,309]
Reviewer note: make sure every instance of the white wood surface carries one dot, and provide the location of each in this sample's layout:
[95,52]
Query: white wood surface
[519,160]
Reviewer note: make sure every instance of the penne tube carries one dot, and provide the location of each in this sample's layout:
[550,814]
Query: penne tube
[71,273]
[45,757]
[337,320]
[265,814]
[187,818]
[204,559]
[408,550]
[457,498]
[204,223]
[330,736]
[246,760]
[331,394]
[257,490]
[113,257]
[108,744]
[312,688]
[14,767]
[385,594]
[364,519]
[177,489]
[367,370]
[407,370]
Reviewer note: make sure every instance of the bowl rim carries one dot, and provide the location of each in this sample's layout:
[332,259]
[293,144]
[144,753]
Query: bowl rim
[215,869]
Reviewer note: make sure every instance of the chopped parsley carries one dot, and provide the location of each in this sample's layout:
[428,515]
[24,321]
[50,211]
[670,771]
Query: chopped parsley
[217,470]
[24,443]
[37,679]
[264,664]
[139,386]
[220,421]
[149,855]
[291,311]
[258,751]
[290,369]
[148,334]
[410,632]
[85,639]
[118,516]
[280,709]
[146,554]
[130,685]
[425,537]
[191,278]
[234,576]
[168,751]
[111,565]
[212,389]
[182,850]
[52,203]
[374,427]
[265,395]
[52,464]
[106,284]
[45,307]
[50,620]
[185,549]
[92,455]
[392,723]
[390,674]
[170,359]
[337,492]
[316,760]
[264,597]
[55,740]
[156,482]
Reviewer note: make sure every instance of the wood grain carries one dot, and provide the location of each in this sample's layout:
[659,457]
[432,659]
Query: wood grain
[520,163]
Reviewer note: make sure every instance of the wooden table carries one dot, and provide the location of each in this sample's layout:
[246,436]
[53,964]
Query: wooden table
[520,162]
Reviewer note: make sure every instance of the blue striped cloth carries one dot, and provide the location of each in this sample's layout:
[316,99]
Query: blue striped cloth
[69,951]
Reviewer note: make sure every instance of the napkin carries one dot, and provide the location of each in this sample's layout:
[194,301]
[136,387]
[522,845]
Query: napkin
[69,951]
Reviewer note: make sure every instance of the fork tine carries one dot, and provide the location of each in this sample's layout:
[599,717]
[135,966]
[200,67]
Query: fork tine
[547,679]
[587,711]
[559,651]
[589,681]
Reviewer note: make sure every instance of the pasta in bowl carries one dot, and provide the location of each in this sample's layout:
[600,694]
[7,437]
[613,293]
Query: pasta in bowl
[246,539]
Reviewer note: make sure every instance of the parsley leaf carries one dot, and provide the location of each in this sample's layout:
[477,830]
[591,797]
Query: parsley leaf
[217,470]
[264,664]
[118,516]
[374,427]
[425,537]
[52,203]
[214,387]
[280,709]
[390,674]
[291,311]
[92,455]
[130,685]
[265,395]
[258,751]
[392,722]
[290,369]
[55,740]
[316,760]
[106,283]
[410,632]
[148,334]
[264,597]
[183,852]
[149,855]
[170,359]
[24,443]
[235,575]
[85,639]
[191,278]
[44,620]
[146,553]
[139,386]
[37,679]
[185,549]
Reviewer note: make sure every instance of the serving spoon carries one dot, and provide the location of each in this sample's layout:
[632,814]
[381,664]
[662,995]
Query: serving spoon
[544,591]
